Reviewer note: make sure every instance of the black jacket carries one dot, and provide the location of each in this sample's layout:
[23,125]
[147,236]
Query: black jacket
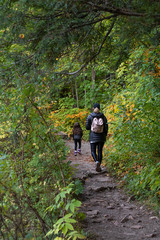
[97,137]
[77,132]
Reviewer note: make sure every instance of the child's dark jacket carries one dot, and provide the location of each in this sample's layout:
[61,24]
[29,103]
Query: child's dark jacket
[77,133]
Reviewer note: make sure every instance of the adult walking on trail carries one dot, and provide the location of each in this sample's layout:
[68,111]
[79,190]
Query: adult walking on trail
[77,137]
[97,124]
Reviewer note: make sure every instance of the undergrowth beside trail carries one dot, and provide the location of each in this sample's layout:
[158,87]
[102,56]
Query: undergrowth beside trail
[38,196]
[133,151]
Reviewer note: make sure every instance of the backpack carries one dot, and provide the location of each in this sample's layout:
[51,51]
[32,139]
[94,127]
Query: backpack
[97,125]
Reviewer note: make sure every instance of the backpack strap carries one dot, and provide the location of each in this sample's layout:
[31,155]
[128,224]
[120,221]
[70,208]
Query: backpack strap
[101,116]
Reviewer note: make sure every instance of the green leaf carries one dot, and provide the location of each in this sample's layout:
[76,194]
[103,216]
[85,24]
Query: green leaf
[68,216]
[60,221]
[75,235]
[69,226]
[57,198]
[65,229]
[70,220]
[76,203]
[72,207]
[50,232]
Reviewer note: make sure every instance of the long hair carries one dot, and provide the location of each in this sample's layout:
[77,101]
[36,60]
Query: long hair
[77,129]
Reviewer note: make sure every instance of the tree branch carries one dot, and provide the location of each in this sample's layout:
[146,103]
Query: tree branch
[94,56]
[51,138]
[117,11]
[93,22]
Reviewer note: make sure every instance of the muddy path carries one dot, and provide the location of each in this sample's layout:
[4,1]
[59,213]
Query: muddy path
[110,213]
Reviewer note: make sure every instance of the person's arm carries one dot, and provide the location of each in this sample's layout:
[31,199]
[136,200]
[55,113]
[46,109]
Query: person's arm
[88,122]
[105,126]
[81,132]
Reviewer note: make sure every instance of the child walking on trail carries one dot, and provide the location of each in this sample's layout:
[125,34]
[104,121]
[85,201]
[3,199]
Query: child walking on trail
[77,137]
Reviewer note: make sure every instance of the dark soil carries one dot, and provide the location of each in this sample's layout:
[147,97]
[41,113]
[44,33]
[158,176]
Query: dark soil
[111,214]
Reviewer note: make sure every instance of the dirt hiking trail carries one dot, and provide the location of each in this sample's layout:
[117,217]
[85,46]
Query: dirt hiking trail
[110,213]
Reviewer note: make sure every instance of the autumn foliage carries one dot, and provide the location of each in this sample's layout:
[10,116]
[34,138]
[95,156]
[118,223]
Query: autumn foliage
[133,151]
[65,119]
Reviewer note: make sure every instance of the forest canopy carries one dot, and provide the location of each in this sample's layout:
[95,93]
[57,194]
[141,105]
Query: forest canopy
[80,29]
[57,59]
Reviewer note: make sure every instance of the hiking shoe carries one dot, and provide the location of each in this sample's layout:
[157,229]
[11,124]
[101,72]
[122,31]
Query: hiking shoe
[79,151]
[75,153]
[98,168]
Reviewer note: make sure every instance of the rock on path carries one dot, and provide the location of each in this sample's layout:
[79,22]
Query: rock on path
[110,213]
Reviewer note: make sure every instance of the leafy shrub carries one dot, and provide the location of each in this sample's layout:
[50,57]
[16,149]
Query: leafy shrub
[32,166]
[67,207]
[134,145]
[64,119]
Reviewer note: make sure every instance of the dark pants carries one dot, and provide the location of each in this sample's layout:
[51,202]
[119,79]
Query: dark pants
[75,144]
[96,150]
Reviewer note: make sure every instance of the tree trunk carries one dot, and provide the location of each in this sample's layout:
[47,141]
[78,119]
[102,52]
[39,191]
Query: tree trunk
[93,86]
[76,90]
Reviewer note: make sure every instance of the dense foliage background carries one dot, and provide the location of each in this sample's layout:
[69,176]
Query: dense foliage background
[57,59]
